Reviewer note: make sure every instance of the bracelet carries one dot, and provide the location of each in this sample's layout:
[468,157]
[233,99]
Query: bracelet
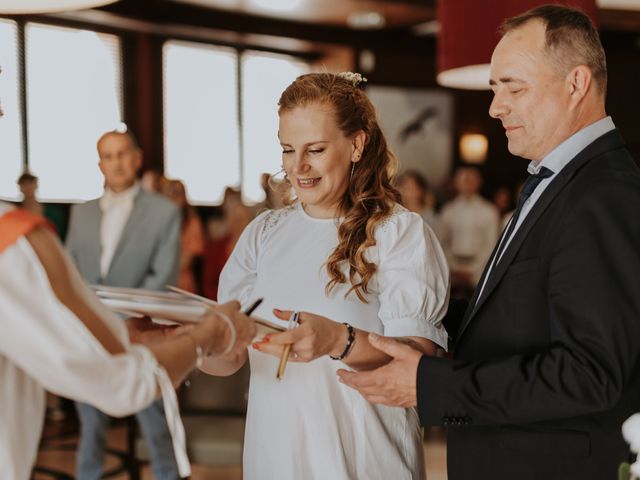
[350,341]
[232,329]
[200,355]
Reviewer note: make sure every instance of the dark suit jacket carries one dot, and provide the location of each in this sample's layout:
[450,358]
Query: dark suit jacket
[547,363]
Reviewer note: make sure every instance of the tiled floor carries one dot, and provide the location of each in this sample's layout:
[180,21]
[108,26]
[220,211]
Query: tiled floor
[59,455]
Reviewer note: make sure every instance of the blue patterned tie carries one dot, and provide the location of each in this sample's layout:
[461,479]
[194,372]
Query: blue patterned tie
[528,188]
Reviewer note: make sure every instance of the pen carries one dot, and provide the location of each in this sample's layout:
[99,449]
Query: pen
[253,306]
[293,321]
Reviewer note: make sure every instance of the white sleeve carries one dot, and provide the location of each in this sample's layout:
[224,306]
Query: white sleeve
[412,279]
[48,342]
[238,276]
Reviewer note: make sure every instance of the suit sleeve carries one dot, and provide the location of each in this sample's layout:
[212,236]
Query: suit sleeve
[163,269]
[593,298]
[453,319]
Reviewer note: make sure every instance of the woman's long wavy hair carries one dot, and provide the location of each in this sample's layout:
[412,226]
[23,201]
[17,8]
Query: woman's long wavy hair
[370,197]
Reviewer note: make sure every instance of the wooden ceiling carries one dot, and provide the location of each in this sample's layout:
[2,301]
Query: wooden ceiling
[615,14]
[409,24]
[396,13]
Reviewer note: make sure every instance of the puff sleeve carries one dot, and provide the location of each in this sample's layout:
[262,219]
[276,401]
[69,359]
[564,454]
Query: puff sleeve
[238,276]
[412,279]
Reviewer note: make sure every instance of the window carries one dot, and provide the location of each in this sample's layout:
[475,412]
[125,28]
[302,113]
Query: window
[74,94]
[202,144]
[264,77]
[11,150]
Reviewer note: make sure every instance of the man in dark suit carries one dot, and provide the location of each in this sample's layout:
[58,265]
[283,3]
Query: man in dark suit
[546,363]
[126,238]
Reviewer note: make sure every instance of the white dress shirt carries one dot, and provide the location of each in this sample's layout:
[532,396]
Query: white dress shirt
[555,161]
[116,209]
[468,229]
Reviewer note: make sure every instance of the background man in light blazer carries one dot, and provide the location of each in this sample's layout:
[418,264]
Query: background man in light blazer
[126,238]
[547,360]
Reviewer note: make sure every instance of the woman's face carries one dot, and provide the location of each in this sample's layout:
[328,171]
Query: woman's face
[317,157]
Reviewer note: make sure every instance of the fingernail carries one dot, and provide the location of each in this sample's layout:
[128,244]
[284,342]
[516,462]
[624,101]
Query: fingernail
[277,310]
[374,336]
[256,346]
[265,339]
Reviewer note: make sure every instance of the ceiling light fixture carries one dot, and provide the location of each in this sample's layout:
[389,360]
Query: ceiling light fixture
[366,20]
[282,6]
[16,7]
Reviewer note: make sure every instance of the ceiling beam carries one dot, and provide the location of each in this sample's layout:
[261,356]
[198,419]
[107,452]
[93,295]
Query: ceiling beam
[174,13]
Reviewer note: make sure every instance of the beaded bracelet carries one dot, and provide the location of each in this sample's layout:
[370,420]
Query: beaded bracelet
[350,341]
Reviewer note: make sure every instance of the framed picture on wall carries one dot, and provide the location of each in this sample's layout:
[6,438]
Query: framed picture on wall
[418,124]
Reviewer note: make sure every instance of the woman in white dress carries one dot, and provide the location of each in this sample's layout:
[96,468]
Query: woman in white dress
[345,250]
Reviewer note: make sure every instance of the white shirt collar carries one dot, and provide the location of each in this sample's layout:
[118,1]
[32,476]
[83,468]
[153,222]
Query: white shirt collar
[111,198]
[560,156]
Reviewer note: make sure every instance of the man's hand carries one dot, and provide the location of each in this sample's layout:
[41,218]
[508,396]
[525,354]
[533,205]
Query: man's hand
[394,384]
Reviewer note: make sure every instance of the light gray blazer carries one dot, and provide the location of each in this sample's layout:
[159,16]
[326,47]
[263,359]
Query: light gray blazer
[148,253]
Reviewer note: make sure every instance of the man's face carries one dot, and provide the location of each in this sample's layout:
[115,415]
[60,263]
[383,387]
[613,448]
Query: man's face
[119,161]
[530,97]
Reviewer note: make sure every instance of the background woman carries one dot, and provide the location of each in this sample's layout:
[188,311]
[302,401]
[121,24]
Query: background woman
[191,236]
[416,196]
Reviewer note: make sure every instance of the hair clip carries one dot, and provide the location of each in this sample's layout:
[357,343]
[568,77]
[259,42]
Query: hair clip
[354,78]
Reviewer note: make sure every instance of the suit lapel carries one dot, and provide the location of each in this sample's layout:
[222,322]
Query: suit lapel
[607,142]
[134,221]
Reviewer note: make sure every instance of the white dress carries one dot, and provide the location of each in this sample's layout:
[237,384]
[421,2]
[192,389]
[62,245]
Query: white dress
[310,426]
[44,345]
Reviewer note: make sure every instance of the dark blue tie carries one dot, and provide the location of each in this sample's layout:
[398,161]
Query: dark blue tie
[527,189]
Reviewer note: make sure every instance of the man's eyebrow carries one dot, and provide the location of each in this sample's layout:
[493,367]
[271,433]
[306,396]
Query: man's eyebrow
[505,80]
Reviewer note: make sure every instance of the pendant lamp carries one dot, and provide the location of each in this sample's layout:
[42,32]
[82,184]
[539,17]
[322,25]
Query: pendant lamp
[15,7]
[469,33]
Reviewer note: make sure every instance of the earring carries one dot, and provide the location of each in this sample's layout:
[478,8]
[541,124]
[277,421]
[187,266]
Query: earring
[353,166]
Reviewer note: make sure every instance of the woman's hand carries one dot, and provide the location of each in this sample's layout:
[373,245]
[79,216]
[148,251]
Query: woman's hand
[314,337]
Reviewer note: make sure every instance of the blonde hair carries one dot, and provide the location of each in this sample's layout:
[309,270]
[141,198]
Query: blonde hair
[370,197]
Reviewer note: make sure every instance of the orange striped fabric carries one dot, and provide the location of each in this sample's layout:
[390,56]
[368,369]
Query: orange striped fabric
[16,223]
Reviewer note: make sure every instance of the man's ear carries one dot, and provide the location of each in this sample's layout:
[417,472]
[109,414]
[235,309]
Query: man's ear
[579,82]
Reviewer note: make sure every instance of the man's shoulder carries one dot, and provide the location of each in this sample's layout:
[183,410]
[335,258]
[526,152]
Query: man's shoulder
[84,207]
[158,203]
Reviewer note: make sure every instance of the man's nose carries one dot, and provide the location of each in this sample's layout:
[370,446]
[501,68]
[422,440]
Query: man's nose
[498,107]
